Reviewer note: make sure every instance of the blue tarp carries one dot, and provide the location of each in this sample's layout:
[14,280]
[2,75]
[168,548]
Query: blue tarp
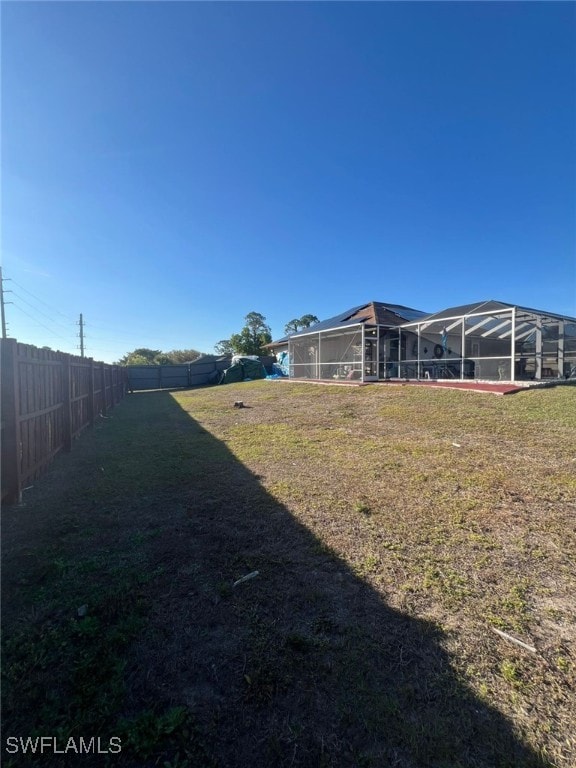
[283,363]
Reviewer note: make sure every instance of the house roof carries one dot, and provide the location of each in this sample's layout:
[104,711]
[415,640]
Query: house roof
[373,313]
[487,307]
[390,315]
[277,343]
[495,319]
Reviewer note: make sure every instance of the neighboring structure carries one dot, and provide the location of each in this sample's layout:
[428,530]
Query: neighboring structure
[489,340]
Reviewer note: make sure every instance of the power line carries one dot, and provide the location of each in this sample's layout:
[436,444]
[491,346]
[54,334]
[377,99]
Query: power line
[40,300]
[100,327]
[34,309]
[55,322]
[137,334]
[137,340]
[50,331]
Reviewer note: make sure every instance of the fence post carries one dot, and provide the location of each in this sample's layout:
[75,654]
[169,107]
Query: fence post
[67,402]
[91,395]
[103,385]
[112,385]
[121,383]
[11,476]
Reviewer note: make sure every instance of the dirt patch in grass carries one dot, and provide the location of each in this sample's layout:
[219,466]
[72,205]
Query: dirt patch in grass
[390,528]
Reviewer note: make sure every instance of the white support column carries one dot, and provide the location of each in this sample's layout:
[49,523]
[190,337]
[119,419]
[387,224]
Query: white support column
[561,336]
[513,347]
[418,366]
[538,372]
[463,349]
[363,352]
[319,361]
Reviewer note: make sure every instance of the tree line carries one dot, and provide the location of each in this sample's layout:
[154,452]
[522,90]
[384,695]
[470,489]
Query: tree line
[146,356]
[251,340]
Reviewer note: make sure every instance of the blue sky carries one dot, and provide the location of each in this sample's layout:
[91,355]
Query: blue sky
[169,167]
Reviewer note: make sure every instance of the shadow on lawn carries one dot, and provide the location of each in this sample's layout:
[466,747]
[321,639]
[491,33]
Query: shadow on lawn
[303,665]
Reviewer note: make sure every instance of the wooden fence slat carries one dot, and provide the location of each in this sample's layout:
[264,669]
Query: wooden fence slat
[67,402]
[36,414]
[103,387]
[91,401]
[12,486]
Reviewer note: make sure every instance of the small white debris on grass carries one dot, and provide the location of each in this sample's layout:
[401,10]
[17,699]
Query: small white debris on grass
[514,640]
[246,578]
[82,611]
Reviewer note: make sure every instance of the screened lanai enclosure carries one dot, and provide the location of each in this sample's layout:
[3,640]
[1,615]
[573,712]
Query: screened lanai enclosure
[487,341]
[330,355]
[352,346]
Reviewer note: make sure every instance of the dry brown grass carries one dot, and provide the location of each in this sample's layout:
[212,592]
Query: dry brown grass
[455,507]
[392,528]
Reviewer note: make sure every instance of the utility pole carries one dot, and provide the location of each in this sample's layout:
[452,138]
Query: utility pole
[2,303]
[81,334]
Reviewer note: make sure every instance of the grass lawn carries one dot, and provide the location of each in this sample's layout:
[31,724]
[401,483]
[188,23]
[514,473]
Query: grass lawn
[393,529]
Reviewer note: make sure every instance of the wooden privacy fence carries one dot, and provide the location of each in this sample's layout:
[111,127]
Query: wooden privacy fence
[48,398]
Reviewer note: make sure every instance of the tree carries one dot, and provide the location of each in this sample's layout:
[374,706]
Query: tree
[223,347]
[307,320]
[140,356]
[293,326]
[259,332]
[251,339]
[183,355]
[132,359]
[145,356]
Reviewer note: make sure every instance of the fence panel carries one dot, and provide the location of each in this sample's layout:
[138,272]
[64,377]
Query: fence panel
[158,376]
[195,374]
[203,371]
[48,399]
[40,425]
